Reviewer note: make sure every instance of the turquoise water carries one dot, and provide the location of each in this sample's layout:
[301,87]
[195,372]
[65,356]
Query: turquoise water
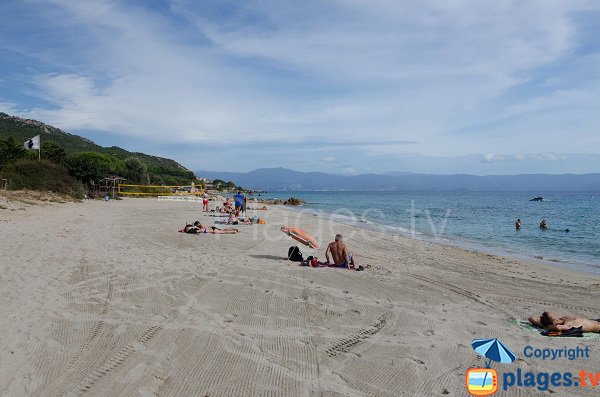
[482,221]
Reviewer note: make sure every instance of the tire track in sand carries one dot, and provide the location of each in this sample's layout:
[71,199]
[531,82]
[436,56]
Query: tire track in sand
[345,344]
[93,360]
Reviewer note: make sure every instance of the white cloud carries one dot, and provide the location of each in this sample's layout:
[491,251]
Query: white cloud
[8,107]
[549,156]
[329,159]
[382,71]
[491,157]
[494,157]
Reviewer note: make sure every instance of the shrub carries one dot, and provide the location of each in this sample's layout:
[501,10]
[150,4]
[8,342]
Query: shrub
[43,176]
[11,151]
[136,171]
[91,167]
[53,152]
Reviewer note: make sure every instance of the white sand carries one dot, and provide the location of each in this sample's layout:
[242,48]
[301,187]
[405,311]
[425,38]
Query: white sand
[108,299]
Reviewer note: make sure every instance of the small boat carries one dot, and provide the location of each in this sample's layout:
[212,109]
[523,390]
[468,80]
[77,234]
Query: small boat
[539,198]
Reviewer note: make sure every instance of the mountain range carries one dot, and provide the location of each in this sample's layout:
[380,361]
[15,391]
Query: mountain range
[282,179]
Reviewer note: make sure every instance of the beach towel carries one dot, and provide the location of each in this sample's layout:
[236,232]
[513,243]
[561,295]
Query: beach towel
[530,327]
[572,332]
[310,263]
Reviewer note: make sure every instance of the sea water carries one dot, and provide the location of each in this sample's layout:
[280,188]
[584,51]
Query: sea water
[476,220]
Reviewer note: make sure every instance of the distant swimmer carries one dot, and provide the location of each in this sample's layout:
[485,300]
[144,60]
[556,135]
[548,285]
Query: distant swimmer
[518,224]
[543,225]
[566,230]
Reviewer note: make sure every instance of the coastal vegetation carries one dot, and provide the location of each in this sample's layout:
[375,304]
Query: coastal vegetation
[43,176]
[60,147]
[223,186]
[70,163]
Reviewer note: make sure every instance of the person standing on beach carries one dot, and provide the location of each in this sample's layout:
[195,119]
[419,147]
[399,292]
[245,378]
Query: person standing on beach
[244,204]
[239,201]
[205,202]
[339,253]
[518,224]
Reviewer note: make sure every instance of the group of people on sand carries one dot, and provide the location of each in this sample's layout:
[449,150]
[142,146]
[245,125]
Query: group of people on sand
[240,201]
[543,225]
[338,255]
[238,208]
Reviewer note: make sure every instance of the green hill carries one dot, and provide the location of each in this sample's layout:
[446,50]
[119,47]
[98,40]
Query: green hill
[161,170]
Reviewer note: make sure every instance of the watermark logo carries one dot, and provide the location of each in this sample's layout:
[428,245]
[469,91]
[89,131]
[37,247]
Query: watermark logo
[484,381]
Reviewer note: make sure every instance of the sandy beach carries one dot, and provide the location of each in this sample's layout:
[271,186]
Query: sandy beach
[107,299]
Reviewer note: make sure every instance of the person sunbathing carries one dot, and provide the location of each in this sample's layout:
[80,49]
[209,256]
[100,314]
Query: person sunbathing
[234,220]
[198,228]
[339,253]
[554,322]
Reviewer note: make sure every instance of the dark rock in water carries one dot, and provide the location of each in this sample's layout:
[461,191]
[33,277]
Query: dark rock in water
[290,201]
[540,198]
[293,201]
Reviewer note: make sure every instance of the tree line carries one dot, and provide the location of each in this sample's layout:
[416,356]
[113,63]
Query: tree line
[63,173]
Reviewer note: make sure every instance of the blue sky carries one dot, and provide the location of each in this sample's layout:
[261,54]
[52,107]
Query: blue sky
[343,86]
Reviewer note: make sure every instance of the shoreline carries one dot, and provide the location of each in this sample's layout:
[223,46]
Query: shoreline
[379,229]
[452,241]
[113,300]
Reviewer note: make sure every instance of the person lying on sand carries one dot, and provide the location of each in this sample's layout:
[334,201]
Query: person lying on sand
[198,228]
[554,322]
[234,220]
[339,253]
[214,230]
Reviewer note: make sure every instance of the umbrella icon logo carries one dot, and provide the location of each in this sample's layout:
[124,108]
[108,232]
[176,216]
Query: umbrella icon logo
[484,381]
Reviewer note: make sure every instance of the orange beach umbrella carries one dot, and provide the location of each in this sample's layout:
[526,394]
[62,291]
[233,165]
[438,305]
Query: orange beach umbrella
[301,236]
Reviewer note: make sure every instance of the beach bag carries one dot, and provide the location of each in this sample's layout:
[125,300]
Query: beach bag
[294,254]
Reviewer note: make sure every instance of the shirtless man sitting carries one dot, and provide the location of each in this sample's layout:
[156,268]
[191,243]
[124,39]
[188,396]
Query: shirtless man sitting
[339,253]
[554,322]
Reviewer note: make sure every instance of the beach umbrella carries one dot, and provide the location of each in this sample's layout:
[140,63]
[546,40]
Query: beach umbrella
[301,236]
[493,349]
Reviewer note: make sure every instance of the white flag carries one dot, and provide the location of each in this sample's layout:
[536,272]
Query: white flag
[33,143]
